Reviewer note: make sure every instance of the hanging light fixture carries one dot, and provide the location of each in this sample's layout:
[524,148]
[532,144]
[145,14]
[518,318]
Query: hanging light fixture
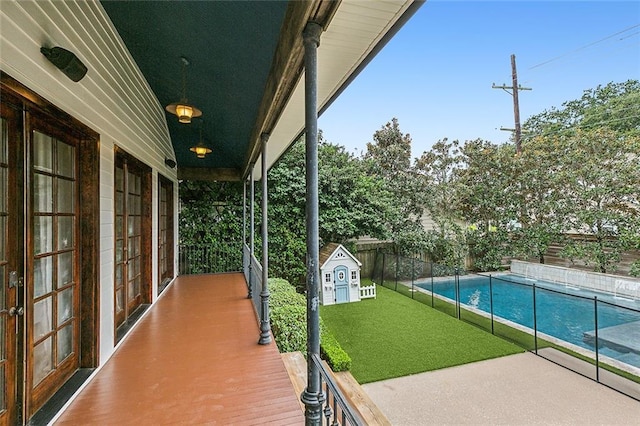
[182,109]
[200,149]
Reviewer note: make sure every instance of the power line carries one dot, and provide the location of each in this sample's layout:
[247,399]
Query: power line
[586,46]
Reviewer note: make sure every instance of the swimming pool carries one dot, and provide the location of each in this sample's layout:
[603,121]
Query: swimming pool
[566,313]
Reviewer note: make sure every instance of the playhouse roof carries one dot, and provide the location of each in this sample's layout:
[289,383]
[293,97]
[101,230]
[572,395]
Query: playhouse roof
[329,249]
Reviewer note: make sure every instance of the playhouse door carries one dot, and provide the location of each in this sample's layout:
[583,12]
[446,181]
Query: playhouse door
[342,284]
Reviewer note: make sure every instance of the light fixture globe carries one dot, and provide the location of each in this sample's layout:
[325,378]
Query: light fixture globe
[201,150]
[182,109]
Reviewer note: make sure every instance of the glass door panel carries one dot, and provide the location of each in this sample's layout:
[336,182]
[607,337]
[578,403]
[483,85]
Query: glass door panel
[128,239]
[10,269]
[5,366]
[165,232]
[54,289]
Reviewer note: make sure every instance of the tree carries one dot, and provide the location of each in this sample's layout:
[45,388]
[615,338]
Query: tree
[351,204]
[601,178]
[588,150]
[615,106]
[388,158]
[438,169]
[539,199]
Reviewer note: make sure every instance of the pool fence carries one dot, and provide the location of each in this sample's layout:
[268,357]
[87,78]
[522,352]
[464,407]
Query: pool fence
[609,355]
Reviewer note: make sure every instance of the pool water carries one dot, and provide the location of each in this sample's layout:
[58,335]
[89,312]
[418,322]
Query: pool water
[562,312]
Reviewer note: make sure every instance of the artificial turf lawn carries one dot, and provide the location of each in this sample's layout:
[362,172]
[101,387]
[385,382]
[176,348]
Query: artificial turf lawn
[394,336]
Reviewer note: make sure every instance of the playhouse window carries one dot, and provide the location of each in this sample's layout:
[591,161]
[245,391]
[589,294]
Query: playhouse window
[341,276]
[327,278]
[354,275]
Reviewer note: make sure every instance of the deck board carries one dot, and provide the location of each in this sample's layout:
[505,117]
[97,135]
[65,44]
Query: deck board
[193,359]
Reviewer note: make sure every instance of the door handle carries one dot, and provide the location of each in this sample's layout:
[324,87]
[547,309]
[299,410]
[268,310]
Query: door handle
[16,311]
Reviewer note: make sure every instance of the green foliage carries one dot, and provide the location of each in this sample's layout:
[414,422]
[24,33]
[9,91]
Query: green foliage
[288,316]
[288,324]
[331,350]
[388,160]
[487,247]
[615,106]
[351,203]
[577,173]
[600,180]
[210,226]
[283,294]
[210,212]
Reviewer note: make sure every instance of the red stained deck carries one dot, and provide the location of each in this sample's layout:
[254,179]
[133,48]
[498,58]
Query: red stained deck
[192,359]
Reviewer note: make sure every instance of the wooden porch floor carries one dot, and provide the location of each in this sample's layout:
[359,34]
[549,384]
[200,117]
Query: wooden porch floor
[193,359]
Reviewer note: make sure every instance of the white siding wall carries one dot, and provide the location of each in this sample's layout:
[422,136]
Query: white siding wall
[113,99]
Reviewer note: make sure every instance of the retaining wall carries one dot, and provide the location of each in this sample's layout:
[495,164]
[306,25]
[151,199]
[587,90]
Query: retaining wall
[614,284]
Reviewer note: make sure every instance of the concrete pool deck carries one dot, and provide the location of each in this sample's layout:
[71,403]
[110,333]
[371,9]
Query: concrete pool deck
[515,390]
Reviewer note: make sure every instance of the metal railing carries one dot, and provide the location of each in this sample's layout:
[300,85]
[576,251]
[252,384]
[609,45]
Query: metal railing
[335,407]
[206,259]
[252,269]
[588,333]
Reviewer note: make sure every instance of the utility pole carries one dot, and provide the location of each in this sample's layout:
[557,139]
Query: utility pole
[516,105]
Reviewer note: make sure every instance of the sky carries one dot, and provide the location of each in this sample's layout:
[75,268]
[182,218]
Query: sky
[435,75]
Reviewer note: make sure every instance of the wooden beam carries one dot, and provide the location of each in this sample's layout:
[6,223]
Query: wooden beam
[206,174]
[286,67]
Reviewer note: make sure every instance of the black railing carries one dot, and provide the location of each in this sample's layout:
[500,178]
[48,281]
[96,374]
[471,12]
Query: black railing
[256,285]
[206,259]
[583,325]
[335,408]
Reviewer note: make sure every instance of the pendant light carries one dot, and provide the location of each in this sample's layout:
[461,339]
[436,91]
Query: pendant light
[182,109]
[200,148]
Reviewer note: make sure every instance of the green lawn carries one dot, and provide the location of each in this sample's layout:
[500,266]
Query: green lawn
[394,336]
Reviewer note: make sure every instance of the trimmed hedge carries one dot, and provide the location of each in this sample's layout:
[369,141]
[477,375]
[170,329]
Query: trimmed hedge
[332,352]
[288,317]
[287,325]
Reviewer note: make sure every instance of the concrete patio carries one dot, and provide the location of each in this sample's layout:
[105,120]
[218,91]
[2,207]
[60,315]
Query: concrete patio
[519,389]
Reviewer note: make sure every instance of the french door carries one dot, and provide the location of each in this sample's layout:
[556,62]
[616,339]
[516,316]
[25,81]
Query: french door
[11,326]
[165,232]
[132,237]
[49,293]
[53,290]
[39,261]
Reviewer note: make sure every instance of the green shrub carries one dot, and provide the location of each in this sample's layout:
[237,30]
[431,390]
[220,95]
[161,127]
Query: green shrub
[278,285]
[289,327]
[288,316]
[284,294]
[332,352]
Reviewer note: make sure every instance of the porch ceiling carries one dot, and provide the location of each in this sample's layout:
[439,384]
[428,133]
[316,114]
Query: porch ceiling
[245,62]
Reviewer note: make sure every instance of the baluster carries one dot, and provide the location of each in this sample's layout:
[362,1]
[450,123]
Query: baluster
[335,412]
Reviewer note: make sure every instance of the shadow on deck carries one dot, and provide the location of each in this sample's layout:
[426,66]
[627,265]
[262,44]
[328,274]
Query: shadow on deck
[192,359]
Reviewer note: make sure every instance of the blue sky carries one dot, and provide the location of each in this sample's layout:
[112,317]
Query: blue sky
[436,74]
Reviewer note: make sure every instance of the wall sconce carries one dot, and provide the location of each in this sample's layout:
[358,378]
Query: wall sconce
[66,61]
[200,149]
[182,109]
[169,162]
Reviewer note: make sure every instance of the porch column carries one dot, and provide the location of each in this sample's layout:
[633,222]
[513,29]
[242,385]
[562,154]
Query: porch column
[312,395]
[265,327]
[244,213]
[246,262]
[252,229]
